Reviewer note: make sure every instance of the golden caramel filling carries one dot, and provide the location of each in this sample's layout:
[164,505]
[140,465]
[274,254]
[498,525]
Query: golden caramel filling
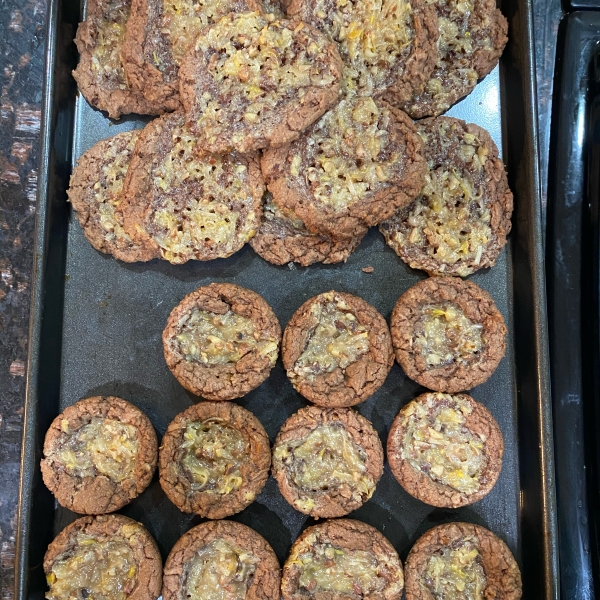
[219,571]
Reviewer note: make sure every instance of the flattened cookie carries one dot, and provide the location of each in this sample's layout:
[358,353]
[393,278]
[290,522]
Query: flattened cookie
[448,334]
[214,459]
[252,81]
[445,450]
[188,206]
[327,461]
[461,560]
[352,169]
[96,193]
[99,454]
[221,341]
[337,350]
[109,557]
[342,558]
[459,222]
[221,555]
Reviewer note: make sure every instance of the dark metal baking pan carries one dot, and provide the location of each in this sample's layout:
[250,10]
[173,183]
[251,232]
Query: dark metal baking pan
[97,323]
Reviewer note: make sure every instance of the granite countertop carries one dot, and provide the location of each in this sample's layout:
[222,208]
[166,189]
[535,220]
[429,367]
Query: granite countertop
[22,35]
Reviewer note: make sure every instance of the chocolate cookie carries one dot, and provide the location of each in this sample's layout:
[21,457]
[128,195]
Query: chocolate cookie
[337,350]
[185,205]
[327,461]
[448,334]
[109,557]
[342,558]
[252,81]
[95,191]
[461,218]
[214,459]
[352,169]
[445,450]
[221,555]
[99,454]
[221,341]
[472,38]
[461,560]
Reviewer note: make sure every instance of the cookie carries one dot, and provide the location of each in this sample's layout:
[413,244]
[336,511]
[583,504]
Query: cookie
[221,341]
[448,334]
[337,350]
[342,558]
[109,557]
[218,557]
[445,450]
[214,459]
[352,169]
[472,38]
[99,454]
[185,205]
[96,193]
[252,81]
[327,461]
[459,222]
[461,560]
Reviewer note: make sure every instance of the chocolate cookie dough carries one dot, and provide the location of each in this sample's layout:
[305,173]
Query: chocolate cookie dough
[185,205]
[99,454]
[352,169]
[459,222]
[221,341]
[445,450]
[327,461]
[221,559]
[337,350]
[448,334]
[461,561]
[342,558]
[109,557]
[214,459]
[252,81]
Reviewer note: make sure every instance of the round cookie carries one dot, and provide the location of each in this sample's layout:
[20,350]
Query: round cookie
[109,557]
[186,205]
[96,193]
[352,169]
[459,222]
[342,558]
[448,334]
[461,560]
[214,459]
[99,454]
[221,341]
[445,450]
[262,92]
[327,461]
[243,559]
[337,350]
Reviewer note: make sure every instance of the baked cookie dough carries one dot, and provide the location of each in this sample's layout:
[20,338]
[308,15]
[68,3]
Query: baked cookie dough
[96,193]
[109,557]
[185,205]
[214,459]
[337,350]
[445,450]
[459,222]
[327,461]
[448,334]
[461,560]
[252,81]
[221,341]
[342,558]
[352,169]
[99,454]
[221,560]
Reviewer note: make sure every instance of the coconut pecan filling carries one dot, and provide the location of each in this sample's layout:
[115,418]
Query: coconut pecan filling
[106,56]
